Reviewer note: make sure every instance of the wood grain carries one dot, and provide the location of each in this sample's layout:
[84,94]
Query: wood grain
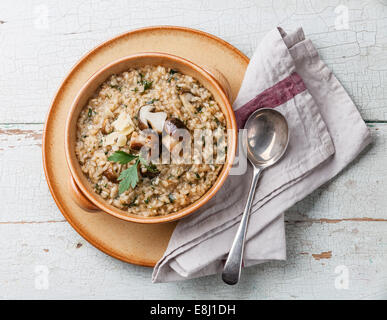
[341,225]
[44,40]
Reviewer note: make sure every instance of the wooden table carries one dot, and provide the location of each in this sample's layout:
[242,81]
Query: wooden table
[337,233]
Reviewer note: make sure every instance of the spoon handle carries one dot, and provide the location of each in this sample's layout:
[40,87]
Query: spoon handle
[232,268]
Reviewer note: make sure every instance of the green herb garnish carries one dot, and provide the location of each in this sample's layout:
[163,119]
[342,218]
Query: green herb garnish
[133,203]
[171,197]
[122,157]
[147,84]
[129,177]
[114,86]
[152,101]
[90,112]
[171,72]
[197,175]
[97,188]
[150,167]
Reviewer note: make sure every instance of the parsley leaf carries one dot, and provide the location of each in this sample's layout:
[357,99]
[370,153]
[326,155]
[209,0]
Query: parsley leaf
[128,178]
[122,157]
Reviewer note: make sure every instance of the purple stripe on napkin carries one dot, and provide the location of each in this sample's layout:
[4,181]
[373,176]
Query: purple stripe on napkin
[272,97]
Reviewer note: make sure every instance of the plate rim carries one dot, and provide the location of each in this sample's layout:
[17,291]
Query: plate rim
[83,58]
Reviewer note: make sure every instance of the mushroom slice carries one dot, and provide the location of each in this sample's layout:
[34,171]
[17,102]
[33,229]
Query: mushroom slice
[110,175]
[186,101]
[137,141]
[170,128]
[106,127]
[183,87]
[172,124]
[142,116]
[155,119]
[150,171]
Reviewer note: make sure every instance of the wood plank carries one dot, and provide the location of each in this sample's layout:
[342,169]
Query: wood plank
[357,193]
[77,270]
[341,224]
[43,41]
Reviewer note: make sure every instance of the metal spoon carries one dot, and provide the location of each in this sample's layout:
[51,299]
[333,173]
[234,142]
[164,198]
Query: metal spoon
[266,141]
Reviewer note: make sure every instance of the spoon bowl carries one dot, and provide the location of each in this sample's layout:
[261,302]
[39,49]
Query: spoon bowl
[267,137]
[266,141]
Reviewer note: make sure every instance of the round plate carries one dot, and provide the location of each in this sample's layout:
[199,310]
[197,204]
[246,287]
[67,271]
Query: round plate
[130,242]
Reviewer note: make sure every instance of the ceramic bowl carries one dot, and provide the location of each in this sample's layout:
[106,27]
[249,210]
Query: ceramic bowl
[81,189]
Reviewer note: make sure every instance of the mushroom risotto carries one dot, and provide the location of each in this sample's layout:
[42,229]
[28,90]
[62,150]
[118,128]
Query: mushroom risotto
[112,134]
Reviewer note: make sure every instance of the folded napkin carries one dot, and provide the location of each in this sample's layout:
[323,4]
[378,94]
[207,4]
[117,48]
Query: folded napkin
[326,133]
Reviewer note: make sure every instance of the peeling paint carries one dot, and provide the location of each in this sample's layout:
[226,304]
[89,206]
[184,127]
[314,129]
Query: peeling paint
[322,255]
[36,135]
[31,222]
[325,220]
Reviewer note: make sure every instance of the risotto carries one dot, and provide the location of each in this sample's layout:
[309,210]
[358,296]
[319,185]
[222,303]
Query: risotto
[110,137]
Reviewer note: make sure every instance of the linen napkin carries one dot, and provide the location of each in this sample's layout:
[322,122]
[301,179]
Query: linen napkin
[326,133]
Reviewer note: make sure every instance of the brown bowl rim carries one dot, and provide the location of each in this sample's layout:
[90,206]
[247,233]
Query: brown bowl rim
[193,206]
